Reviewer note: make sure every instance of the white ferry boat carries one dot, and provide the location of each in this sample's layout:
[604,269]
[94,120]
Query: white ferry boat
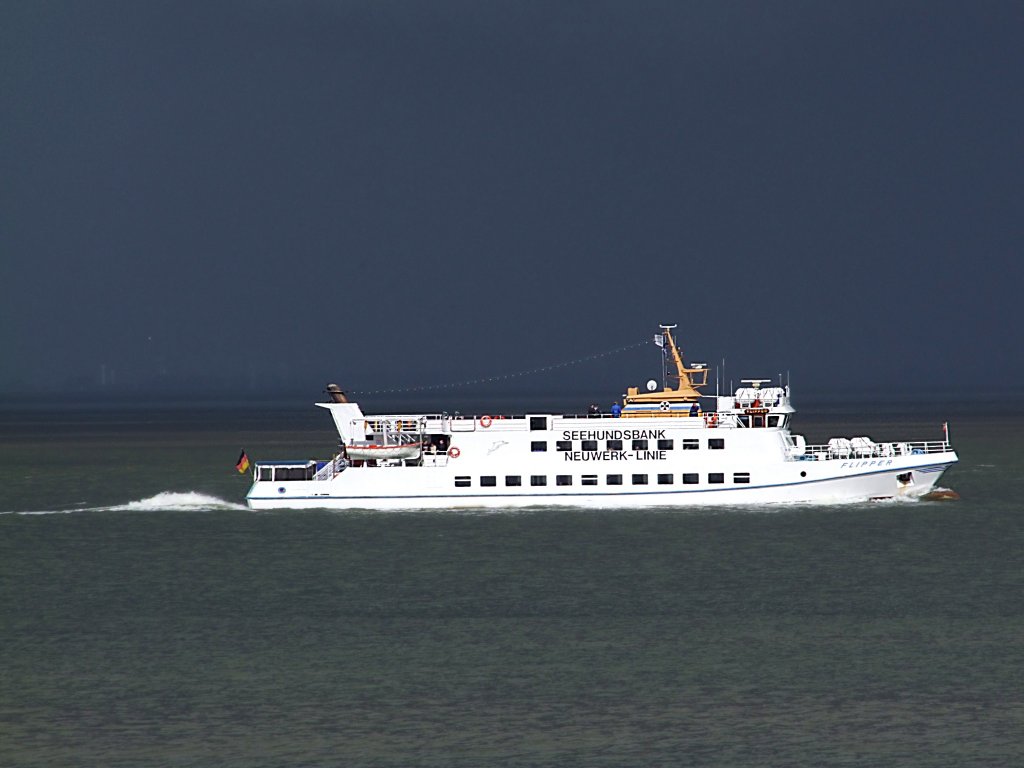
[658,448]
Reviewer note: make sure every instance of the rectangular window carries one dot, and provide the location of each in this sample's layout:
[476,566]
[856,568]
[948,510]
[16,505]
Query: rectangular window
[639,445]
[563,445]
[716,443]
[538,480]
[538,422]
[266,473]
[716,477]
[639,479]
[613,480]
[462,481]
[488,481]
[538,446]
[665,480]
[691,478]
[588,445]
[513,480]
[292,473]
[614,445]
[691,444]
[589,480]
[741,477]
[563,479]
[665,445]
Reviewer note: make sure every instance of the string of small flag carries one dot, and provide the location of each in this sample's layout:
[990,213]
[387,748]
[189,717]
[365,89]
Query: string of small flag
[243,464]
[501,377]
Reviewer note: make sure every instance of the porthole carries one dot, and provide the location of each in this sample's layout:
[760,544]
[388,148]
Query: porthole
[803,474]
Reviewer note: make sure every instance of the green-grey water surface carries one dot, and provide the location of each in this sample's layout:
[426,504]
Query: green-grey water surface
[157,624]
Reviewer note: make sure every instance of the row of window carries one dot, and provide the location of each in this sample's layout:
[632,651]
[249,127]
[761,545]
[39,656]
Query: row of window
[688,444]
[285,473]
[687,478]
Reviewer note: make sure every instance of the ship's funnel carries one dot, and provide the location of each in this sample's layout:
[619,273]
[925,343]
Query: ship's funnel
[337,396]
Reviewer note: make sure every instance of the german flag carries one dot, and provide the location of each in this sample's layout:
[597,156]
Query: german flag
[243,463]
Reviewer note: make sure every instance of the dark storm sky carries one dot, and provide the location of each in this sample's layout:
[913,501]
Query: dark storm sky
[387,193]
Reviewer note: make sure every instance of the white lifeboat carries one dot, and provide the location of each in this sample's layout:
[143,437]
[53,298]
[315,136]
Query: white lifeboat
[366,450]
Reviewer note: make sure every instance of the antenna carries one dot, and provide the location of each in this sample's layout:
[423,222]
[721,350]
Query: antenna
[664,368]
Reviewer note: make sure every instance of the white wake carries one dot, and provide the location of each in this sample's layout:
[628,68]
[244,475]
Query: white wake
[175,501]
[165,501]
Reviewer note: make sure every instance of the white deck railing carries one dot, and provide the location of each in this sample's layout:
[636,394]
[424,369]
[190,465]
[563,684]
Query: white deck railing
[331,468]
[868,451]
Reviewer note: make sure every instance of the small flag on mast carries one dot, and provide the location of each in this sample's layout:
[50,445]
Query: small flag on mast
[243,463]
[659,339]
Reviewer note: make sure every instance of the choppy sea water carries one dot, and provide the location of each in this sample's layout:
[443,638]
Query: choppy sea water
[148,619]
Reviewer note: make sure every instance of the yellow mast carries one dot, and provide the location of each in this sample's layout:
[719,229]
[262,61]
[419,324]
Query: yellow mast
[687,380]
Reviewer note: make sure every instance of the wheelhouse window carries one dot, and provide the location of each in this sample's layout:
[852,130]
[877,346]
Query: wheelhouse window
[462,481]
[613,480]
[639,445]
[690,478]
[536,480]
[639,479]
[488,481]
[563,479]
[716,443]
[666,445]
[294,473]
[513,480]
[716,477]
[665,480]
[538,446]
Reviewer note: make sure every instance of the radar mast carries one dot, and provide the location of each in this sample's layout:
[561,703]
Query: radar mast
[687,380]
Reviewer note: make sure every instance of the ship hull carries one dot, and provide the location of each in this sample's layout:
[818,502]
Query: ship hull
[827,482]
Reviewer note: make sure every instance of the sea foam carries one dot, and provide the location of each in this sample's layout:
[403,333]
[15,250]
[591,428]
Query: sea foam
[165,501]
[188,501]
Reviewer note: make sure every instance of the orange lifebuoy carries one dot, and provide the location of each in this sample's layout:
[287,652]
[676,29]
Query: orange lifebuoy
[485,421]
[454,452]
[712,420]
